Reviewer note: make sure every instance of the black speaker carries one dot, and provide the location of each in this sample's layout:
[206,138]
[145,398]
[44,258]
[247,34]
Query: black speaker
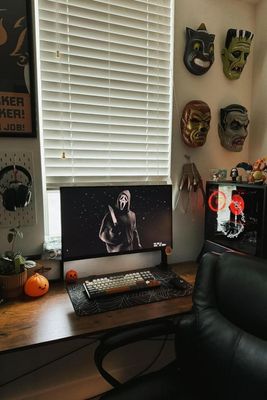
[16,194]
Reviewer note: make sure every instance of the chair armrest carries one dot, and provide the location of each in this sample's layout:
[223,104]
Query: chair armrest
[116,340]
[185,337]
[186,323]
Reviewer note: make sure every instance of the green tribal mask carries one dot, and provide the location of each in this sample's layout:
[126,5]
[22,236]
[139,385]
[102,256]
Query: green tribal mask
[236,51]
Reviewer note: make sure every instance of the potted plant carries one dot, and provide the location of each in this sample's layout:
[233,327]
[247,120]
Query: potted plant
[13,274]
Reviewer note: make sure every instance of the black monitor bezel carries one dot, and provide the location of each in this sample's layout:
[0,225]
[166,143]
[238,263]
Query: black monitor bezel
[65,258]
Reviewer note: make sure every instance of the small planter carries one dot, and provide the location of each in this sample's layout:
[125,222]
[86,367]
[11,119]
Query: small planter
[12,285]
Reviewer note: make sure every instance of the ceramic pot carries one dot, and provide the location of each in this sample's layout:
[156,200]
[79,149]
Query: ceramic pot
[12,285]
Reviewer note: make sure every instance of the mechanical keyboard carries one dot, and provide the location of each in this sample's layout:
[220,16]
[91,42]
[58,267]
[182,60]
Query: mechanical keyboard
[121,283]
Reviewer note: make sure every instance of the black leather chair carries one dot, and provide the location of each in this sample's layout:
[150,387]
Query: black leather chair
[221,347]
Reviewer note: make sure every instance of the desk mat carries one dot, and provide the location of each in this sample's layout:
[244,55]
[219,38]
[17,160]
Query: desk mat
[85,306]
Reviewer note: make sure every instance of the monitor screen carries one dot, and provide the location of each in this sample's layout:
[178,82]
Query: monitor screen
[109,220]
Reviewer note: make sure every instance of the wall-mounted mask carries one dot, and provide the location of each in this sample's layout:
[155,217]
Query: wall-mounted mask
[199,50]
[235,52]
[233,127]
[195,123]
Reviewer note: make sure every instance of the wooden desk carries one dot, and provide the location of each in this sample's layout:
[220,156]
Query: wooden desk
[29,322]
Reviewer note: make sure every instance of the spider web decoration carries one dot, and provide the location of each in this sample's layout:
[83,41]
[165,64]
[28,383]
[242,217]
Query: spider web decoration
[85,306]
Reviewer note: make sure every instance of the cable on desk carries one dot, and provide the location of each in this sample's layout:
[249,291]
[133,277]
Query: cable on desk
[47,363]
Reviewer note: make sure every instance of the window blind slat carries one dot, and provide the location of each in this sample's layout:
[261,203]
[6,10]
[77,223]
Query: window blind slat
[106,83]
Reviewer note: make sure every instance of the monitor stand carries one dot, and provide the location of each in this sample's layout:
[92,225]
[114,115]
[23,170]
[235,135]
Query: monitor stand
[164,262]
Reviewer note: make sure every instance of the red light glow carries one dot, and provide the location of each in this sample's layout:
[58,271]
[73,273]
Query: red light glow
[237,204]
[217,201]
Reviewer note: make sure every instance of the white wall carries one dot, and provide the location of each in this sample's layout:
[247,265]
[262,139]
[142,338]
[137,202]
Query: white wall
[218,92]
[258,143]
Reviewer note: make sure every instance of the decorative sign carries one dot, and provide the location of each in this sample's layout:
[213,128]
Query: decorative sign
[17,117]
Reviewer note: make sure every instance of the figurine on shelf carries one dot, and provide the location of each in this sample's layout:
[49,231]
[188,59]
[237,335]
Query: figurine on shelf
[234,174]
[256,172]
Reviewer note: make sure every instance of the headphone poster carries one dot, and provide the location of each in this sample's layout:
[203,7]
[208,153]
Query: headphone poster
[16,88]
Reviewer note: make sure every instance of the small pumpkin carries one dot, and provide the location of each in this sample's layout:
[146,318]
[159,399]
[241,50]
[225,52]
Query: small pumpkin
[71,276]
[37,285]
[168,250]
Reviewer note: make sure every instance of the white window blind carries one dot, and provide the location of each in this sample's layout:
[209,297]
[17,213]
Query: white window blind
[106,79]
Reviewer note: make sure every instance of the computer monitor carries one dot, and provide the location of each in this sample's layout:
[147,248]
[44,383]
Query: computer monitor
[105,221]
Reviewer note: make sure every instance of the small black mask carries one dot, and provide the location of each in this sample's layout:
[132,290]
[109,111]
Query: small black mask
[199,50]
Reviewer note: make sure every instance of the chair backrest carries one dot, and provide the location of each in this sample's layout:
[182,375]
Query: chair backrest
[225,341]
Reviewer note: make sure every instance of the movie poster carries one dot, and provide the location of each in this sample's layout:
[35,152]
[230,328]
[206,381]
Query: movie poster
[16,90]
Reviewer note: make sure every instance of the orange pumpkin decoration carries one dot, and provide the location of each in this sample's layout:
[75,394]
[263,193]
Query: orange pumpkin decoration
[71,276]
[168,250]
[36,285]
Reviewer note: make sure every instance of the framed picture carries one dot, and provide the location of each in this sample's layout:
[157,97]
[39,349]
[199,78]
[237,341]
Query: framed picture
[17,113]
